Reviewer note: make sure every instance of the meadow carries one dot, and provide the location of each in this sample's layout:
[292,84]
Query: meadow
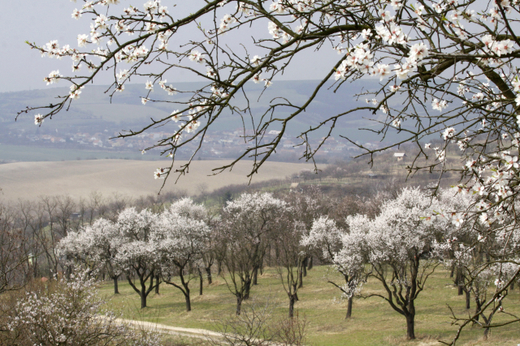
[373,322]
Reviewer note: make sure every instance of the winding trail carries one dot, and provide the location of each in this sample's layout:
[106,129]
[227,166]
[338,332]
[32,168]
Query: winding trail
[178,331]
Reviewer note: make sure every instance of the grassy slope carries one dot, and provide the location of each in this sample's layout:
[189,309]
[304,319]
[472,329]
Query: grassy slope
[25,153]
[373,323]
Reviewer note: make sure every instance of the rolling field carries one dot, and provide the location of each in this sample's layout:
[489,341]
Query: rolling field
[29,180]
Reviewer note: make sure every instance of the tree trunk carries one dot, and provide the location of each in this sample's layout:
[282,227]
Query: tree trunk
[201,282]
[255,276]
[459,282]
[208,275]
[239,304]
[143,299]
[143,291]
[36,268]
[188,301]
[486,333]
[410,326]
[304,266]
[468,299]
[247,289]
[292,300]
[158,284]
[477,312]
[116,287]
[300,278]
[349,308]
[311,263]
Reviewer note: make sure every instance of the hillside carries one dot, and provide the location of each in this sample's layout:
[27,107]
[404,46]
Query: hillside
[92,122]
[29,180]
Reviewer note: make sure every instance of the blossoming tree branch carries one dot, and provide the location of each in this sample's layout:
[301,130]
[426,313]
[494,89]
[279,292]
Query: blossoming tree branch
[451,63]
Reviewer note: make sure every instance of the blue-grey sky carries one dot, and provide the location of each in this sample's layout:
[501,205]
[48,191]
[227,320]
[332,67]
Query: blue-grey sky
[38,21]
[43,20]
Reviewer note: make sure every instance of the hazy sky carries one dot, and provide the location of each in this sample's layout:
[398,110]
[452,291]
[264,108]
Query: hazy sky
[37,21]
[43,20]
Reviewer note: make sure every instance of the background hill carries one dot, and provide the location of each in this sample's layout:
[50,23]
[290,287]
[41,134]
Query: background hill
[86,129]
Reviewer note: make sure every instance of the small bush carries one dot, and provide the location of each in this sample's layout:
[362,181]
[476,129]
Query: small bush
[68,312]
[256,327]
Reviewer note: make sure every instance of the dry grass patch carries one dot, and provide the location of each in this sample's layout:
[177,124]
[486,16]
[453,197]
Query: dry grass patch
[78,179]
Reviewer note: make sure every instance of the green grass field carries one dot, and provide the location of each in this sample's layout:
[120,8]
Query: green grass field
[26,153]
[373,322]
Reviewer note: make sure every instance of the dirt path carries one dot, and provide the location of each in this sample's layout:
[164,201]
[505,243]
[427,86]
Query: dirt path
[178,331]
[204,334]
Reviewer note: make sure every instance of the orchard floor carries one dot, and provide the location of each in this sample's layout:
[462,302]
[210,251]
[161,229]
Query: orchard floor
[373,322]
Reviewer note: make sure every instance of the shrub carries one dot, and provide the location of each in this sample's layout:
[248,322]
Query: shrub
[69,312]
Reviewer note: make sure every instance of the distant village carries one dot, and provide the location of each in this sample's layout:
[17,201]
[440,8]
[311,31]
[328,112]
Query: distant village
[217,144]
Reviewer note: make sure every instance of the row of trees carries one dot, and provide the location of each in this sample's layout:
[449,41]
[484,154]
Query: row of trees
[185,240]
[410,236]
[31,230]
[399,241]
[182,242]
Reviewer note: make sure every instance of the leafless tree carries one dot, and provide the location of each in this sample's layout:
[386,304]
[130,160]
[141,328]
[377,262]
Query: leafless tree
[15,251]
[291,258]
[248,223]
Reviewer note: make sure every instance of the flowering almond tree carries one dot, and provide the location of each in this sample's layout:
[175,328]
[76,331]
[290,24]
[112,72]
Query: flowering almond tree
[290,256]
[443,68]
[180,242]
[307,205]
[397,245]
[187,208]
[485,256]
[325,236]
[137,256]
[70,313]
[95,246]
